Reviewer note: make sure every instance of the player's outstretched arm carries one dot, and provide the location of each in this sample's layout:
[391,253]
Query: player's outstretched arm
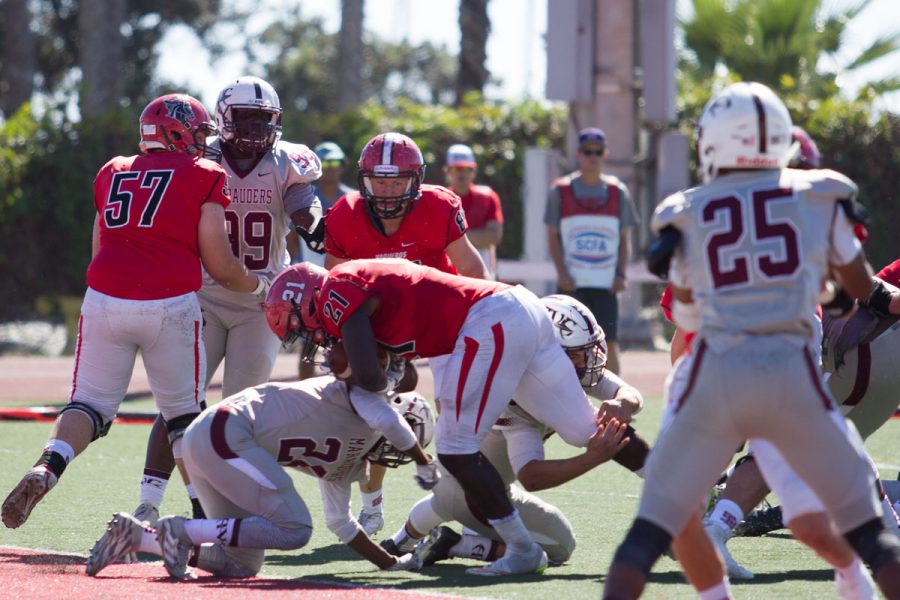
[603,445]
[215,252]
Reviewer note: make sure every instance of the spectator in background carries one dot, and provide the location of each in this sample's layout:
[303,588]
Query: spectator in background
[589,217]
[482,204]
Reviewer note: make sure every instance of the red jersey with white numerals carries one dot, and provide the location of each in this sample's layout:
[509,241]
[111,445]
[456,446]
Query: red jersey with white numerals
[421,309]
[436,220]
[149,211]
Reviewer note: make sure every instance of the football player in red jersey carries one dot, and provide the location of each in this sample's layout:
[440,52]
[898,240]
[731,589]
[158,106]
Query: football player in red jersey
[395,215]
[482,204]
[160,215]
[271,194]
[500,344]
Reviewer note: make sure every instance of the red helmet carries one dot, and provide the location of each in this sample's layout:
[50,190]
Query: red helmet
[291,306]
[396,157]
[176,123]
[806,153]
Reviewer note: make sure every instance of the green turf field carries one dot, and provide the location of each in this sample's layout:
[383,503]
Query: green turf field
[600,506]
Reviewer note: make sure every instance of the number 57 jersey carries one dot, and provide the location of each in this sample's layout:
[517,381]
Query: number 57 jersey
[756,245]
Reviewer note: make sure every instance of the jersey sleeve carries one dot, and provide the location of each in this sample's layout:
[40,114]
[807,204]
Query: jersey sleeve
[844,244]
[669,212]
[303,164]
[336,506]
[337,225]
[608,386]
[377,413]
[628,215]
[553,209]
[300,196]
[339,298]
[891,273]
[665,303]
[495,212]
[458,225]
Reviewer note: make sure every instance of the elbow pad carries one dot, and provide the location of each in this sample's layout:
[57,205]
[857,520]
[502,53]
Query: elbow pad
[661,251]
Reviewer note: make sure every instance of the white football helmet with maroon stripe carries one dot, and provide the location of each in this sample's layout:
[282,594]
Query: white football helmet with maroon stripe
[248,115]
[746,126]
[579,334]
[413,407]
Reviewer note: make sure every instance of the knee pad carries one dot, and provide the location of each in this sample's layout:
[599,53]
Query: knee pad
[175,427]
[101,425]
[233,562]
[643,545]
[874,544]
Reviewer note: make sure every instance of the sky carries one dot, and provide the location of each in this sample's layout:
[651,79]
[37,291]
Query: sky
[515,52]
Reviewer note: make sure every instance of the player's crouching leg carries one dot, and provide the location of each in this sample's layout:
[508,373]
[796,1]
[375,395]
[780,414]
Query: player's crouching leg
[228,562]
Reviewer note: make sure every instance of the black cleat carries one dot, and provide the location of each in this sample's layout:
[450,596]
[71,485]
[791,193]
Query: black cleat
[760,522]
[437,545]
[390,547]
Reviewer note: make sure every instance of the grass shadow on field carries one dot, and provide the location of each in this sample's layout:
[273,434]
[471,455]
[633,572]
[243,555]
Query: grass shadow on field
[794,575]
[40,558]
[322,555]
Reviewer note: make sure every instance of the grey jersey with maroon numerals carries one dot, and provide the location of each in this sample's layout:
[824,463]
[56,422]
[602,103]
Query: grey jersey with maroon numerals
[310,426]
[258,218]
[756,247]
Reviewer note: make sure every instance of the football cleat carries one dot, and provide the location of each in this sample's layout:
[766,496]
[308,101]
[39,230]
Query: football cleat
[760,522]
[122,536]
[437,545]
[31,489]
[535,561]
[371,523]
[176,546]
[147,513]
[719,538]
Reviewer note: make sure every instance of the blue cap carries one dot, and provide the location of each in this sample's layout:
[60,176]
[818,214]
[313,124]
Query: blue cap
[330,151]
[460,155]
[591,134]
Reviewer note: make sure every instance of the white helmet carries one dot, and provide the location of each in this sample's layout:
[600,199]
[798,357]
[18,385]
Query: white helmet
[746,126]
[257,125]
[577,330]
[417,412]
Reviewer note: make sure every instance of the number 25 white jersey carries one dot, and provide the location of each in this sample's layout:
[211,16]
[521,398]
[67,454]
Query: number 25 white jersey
[756,246]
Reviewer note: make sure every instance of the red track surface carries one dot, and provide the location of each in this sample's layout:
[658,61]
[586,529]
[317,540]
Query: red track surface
[46,576]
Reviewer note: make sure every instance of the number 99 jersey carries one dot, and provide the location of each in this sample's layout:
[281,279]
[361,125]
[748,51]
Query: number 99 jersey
[258,218]
[756,246]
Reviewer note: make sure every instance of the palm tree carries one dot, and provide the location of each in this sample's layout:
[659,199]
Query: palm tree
[779,43]
[18,61]
[474,26]
[101,56]
[350,55]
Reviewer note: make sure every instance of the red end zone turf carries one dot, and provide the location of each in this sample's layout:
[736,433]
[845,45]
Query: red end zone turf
[46,576]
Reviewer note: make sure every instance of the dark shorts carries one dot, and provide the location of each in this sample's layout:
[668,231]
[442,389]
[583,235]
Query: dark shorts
[605,306]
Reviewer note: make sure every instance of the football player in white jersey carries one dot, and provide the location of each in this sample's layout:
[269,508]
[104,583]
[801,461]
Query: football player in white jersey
[272,187]
[747,253]
[515,446]
[236,454]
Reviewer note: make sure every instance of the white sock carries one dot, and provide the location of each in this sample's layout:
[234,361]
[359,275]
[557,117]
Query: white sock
[726,515]
[473,546]
[153,487]
[853,571]
[210,530]
[192,494]
[148,542]
[719,591]
[61,447]
[404,541]
[372,502]
[513,531]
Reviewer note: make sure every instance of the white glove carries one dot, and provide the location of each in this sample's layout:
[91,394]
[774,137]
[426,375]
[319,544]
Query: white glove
[427,476]
[262,287]
[407,562]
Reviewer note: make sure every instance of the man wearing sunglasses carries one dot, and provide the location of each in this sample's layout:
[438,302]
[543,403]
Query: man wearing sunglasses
[589,217]
[482,204]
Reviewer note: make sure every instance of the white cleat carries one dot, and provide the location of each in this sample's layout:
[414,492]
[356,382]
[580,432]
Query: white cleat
[147,513]
[719,538]
[34,485]
[371,523]
[512,563]
[176,546]
[857,587]
[122,536]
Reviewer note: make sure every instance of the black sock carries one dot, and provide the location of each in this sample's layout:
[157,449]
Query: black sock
[196,509]
[54,462]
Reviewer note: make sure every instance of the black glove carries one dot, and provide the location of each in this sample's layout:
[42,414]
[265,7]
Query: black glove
[315,239]
[879,301]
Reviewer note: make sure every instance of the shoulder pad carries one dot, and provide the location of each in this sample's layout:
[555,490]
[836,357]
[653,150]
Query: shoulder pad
[669,212]
[303,164]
